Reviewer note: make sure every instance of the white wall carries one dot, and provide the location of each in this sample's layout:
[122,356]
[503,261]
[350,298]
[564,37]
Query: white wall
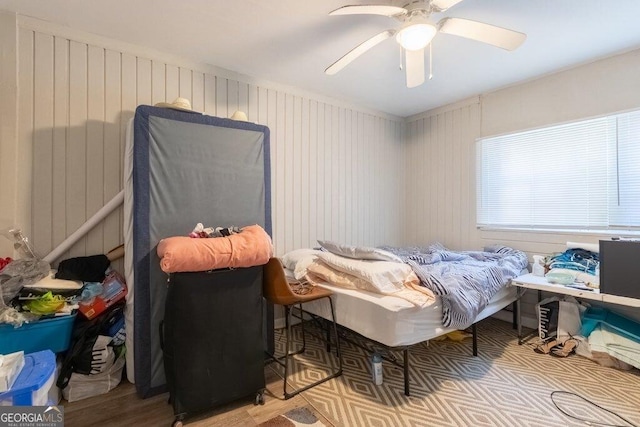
[339,172]
[335,167]
[8,126]
[440,150]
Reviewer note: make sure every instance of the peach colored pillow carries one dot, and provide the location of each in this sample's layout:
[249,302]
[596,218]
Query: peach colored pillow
[251,247]
[319,269]
[410,289]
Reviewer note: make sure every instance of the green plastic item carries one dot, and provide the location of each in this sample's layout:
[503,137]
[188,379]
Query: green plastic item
[46,304]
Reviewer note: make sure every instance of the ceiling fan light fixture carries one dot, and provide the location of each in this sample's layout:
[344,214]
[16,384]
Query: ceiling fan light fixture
[416,36]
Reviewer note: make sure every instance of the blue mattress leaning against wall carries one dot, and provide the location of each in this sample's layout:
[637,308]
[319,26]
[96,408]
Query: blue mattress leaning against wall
[186,168]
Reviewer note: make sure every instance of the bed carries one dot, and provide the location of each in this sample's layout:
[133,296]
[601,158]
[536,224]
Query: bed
[388,320]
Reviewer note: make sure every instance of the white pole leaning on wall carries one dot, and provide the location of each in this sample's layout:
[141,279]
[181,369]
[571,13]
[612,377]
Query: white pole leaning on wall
[84,228]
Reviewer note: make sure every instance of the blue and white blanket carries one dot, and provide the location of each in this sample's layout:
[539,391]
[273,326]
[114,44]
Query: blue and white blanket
[465,281]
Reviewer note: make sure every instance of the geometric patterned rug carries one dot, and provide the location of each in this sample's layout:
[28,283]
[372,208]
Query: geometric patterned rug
[505,385]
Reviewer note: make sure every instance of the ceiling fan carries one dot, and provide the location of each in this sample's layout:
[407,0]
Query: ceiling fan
[416,32]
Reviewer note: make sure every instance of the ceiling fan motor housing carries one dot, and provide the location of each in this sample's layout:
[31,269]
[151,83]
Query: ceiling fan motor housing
[416,33]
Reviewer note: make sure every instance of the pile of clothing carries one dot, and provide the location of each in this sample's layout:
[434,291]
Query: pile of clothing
[582,264]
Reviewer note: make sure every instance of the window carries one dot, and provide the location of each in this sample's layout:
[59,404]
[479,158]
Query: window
[581,175]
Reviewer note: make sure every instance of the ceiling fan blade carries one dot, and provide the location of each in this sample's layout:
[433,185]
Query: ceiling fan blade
[486,33]
[442,5]
[371,9]
[414,62]
[357,51]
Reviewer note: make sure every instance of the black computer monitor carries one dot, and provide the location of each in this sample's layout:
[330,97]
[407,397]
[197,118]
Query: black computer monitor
[620,267]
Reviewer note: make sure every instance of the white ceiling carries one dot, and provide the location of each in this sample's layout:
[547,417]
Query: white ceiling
[291,42]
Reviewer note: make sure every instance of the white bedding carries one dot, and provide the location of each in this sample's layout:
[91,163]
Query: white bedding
[394,321]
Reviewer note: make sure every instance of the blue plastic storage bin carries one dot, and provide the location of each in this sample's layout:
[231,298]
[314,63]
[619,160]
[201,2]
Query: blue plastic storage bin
[593,316]
[50,334]
[34,382]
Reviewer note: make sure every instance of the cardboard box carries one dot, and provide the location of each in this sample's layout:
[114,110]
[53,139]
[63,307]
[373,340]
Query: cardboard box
[114,289]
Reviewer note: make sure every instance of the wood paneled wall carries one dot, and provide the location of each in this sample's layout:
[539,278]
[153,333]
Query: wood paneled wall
[440,164]
[440,154]
[440,207]
[336,169]
[339,172]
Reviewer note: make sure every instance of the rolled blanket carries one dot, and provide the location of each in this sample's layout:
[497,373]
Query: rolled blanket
[251,247]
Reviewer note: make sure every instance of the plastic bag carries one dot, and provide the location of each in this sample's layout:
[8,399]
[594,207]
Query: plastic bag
[83,386]
[19,273]
[11,316]
[20,242]
[559,318]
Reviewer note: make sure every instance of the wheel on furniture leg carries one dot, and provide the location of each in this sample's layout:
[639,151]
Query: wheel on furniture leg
[177,422]
[259,398]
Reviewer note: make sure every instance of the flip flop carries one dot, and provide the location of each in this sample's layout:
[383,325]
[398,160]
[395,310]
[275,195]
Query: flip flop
[568,348]
[545,347]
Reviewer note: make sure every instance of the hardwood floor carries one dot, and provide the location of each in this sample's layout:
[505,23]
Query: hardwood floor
[122,407]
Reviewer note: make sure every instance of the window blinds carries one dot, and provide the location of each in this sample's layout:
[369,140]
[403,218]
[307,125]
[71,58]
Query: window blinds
[582,175]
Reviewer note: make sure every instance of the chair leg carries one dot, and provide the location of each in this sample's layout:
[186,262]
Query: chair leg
[288,354]
[327,335]
[304,343]
[289,310]
[334,374]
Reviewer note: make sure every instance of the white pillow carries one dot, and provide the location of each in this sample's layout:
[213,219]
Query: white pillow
[358,252]
[298,260]
[386,276]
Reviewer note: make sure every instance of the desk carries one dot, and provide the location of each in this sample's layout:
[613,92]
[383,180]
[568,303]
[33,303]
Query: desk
[529,281]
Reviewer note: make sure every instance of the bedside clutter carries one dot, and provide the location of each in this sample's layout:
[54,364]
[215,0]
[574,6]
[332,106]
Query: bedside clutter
[620,267]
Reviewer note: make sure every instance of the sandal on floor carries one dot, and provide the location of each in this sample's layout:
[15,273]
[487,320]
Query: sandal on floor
[568,348]
[546,346]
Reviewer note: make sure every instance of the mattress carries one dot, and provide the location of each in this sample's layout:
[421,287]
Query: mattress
[181,169]
[394,321]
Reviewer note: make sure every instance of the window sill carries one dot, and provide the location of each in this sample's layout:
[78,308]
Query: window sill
[604,233]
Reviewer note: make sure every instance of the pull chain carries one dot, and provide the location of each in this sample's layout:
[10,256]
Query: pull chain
[430,61]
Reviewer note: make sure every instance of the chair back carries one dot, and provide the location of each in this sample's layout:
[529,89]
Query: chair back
[275,287]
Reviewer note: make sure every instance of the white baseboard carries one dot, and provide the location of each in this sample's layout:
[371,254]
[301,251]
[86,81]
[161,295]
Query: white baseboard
[279,323]
[507,316]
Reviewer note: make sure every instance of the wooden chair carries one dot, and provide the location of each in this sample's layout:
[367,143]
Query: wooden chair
[278,291]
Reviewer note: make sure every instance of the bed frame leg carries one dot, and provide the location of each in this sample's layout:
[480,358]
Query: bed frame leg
[474,331]
[514,311]
[406,372]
